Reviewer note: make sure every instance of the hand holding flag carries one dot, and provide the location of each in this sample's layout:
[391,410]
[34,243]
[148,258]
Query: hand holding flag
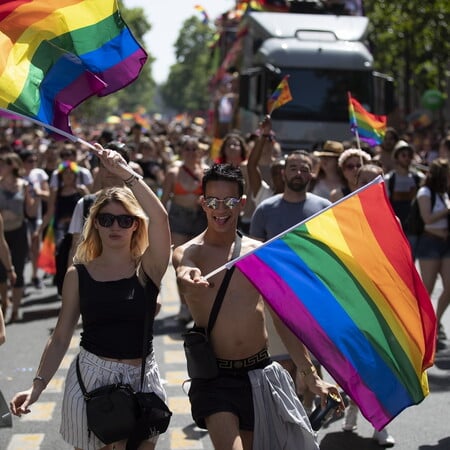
[280,96]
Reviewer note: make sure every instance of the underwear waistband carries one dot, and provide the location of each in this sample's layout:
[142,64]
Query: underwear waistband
[256,361]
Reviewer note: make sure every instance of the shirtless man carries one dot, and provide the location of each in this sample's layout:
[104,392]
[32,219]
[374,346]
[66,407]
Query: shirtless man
[224,405]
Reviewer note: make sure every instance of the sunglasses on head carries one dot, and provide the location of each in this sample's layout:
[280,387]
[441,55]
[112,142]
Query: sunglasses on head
[124,220]
[229,202]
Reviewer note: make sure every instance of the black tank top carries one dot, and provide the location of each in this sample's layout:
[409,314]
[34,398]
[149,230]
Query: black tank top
[113,314]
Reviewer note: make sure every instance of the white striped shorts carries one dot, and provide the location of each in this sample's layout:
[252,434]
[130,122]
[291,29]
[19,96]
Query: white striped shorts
[97,372]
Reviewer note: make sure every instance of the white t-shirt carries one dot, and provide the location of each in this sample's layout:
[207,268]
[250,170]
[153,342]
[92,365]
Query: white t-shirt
[440,204]
[36,177]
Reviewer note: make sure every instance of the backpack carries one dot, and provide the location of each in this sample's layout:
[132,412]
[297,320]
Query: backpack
[414,224]
[63,248]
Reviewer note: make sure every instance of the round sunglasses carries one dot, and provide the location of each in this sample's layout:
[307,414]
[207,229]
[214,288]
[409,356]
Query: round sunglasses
[106,220]
[229,202]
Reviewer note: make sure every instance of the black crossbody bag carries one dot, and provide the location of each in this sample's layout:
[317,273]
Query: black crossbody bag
[200,357]
[116,412]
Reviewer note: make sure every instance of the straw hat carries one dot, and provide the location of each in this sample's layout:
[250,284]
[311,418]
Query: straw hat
[330,148]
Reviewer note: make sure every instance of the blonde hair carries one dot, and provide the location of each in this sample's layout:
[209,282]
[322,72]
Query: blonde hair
[364,156]
[90,246]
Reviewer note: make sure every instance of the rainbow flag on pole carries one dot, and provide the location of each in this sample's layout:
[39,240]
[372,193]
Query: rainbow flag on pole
[280,96]
[345,283]
[366,126]
[55,54]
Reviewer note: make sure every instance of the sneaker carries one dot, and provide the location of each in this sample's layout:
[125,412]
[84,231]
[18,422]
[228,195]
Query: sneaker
[184,314]
[37,282]
[350,418]
[383,438]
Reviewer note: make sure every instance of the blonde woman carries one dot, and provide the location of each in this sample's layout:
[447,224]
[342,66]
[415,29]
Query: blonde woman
[119,264]
[349,162]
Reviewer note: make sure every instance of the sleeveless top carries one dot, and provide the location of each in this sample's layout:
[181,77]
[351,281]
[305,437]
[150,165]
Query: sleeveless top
[14,201]
[113,314]
[65,204]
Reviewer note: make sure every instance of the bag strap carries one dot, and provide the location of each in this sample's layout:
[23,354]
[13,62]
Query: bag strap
[223,287]
[80,381]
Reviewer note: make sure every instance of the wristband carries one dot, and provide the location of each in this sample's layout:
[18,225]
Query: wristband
[41,379]
[130,181]
[308,371]
[11,269]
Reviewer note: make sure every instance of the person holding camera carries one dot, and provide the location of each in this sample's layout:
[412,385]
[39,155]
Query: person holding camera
[123,255]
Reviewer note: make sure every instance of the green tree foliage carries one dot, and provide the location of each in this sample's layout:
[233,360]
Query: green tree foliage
[411,41]
[186,88]
[138,93]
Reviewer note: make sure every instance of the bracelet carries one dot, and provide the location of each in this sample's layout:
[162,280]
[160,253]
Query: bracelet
[310,370]
[39,378]
[12,269]
[130,181]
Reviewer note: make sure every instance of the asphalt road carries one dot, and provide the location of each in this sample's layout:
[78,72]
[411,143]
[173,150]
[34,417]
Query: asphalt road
[422,427]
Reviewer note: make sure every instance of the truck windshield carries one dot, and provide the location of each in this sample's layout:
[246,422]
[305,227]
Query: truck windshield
[320,94]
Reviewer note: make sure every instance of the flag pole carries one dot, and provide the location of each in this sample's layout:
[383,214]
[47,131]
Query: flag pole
[229,264]
[69,136]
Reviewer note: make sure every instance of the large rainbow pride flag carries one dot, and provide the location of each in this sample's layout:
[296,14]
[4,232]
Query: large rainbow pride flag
[368,127]
[56,54]
[345,284]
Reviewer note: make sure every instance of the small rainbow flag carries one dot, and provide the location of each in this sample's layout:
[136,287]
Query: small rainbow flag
[203,12]
[56,54]
[345,284]
[368,127]
[280,96]
[46,259]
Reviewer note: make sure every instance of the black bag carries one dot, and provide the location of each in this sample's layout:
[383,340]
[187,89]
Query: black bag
[200,356]
[115,412]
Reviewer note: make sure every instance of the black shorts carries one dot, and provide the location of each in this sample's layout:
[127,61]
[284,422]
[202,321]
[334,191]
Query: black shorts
[230,392]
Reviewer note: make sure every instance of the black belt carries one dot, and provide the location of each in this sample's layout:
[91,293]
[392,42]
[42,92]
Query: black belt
[258,360]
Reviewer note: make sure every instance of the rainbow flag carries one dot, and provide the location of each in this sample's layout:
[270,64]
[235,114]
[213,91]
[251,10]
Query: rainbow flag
[55,54]
[368,127]
[280,96]
[345,284]
[46,259]
[203,12]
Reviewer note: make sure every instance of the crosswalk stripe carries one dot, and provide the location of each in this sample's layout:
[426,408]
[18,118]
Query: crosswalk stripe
[55,385]
[174,356]
[190,440]
[175,377]
[66,361]
[42,411]
[26,441]
[170,340]
[179,405]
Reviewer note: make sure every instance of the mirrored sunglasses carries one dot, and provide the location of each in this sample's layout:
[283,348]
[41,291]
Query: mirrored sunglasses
[229,202]
[124,220]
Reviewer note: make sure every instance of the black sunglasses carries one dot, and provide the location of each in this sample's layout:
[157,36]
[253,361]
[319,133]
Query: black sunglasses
[124,220]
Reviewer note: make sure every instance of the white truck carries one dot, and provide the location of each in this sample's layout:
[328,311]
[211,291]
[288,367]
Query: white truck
[325,56]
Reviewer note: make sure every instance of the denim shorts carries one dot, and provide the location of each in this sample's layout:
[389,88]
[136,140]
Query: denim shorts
[431,247]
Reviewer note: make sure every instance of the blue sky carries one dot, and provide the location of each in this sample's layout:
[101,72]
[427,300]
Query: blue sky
[166,18]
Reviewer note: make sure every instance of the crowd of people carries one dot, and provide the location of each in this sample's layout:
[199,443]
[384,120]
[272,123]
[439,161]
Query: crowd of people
[198,203]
